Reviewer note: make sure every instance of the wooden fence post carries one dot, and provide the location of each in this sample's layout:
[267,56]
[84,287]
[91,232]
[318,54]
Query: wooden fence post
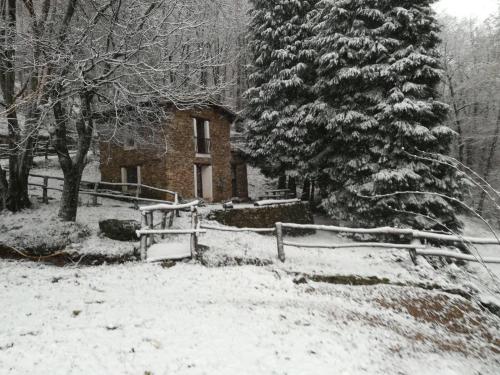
[163,223]
[138,191]
[45,195]
[194,236]
[151,225]
[94,198]
[279,241]
[413,252]
[144,237]
[171,219]
[176,201]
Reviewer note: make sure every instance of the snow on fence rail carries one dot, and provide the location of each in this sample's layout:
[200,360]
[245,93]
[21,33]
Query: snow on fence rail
[147,231]
[105,193]
[399,231]
[272,202]
[416,248]
[235,229]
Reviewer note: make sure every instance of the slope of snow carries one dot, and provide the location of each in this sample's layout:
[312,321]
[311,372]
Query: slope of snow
[142,318]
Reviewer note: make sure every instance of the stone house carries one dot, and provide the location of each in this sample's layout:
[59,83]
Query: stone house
[194,159]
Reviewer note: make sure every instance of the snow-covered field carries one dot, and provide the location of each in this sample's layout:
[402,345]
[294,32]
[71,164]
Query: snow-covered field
[144,319]
[227,318]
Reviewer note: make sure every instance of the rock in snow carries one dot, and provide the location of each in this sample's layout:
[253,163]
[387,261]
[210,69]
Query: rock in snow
[120,230]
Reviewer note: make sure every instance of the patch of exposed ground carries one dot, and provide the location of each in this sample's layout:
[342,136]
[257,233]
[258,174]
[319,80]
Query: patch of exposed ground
[469,330]
[447,323]
[63,258]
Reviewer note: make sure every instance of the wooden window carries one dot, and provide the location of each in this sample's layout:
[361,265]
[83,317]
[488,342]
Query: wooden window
[201,129]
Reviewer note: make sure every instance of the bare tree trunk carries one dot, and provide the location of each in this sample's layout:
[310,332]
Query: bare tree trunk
[292,186]
[306,190]
[458,123]
[282,182]
[69,198]
[72,168]
[4,185]
[19,159]
[21,142]
[489,163]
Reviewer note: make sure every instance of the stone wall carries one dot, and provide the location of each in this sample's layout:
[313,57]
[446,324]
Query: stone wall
[263,217]
[153,167]
[181,155]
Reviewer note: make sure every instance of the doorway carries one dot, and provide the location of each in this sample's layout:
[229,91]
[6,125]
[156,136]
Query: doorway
[203,181]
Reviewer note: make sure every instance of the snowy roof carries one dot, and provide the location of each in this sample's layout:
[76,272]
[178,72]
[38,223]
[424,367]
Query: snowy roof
[174,106]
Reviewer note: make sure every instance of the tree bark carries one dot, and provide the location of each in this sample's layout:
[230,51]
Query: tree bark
[282,182]
[72,168]
[15,194]
[458,123]
[306,190]
[4,185]
[292,186]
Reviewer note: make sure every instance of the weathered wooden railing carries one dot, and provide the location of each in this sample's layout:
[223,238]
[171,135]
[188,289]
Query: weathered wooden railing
[274,202]
[278,194]
[147,231]
[41,149]
[416,248]
[234,229]
[106,193]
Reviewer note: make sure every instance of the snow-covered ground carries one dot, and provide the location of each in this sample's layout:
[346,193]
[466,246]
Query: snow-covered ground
[145,319]
[138,318]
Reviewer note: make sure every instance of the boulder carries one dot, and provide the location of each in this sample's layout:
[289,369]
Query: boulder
[120,230]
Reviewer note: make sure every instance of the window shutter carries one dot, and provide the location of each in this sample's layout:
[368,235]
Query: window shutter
[194,127]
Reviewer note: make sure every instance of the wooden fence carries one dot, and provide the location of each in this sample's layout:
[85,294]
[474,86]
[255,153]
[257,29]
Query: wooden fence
[42,149]
[98,189]
[148,231]
[415,247]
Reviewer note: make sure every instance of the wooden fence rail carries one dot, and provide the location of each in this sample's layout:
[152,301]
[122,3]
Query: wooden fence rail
[235,229]
[105,193]
[147,231]
[415,248]
[397,231]
[41,149]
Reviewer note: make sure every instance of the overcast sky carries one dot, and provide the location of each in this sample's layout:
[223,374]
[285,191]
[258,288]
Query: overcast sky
[468,8]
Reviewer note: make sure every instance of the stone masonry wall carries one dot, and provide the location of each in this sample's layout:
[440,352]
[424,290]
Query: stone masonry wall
[181,155]
[174,170]
[153,167]
[264,217]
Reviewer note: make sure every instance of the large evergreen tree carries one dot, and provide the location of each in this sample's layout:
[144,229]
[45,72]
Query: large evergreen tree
[378,69]
[281,81]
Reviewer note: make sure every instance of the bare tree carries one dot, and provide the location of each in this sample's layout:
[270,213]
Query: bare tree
[471,53]
[63,62]
[107,55]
